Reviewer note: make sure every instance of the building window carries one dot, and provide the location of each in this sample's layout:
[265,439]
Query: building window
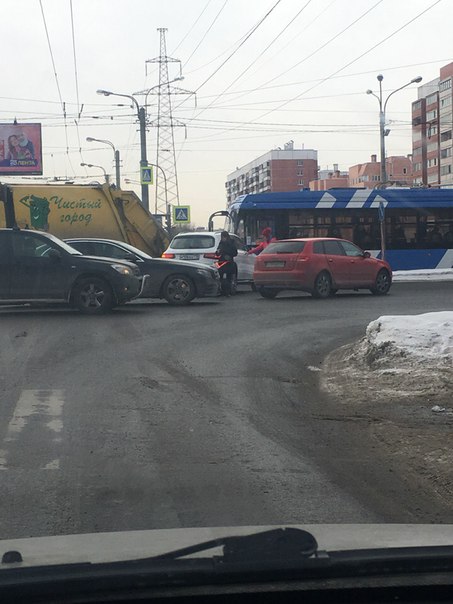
[445,136]
[432,162]
[416,105]
[444,170]
[446,101]
[300,172]
[445,153]
[445,85]
[418,167]
[432,98]
[432,178]
[431,147]
[431,130]
[404,170]
[416,135]
[417,151]
[431,115]
[300,162]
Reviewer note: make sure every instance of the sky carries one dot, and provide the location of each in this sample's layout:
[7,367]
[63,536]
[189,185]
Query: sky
[264,73]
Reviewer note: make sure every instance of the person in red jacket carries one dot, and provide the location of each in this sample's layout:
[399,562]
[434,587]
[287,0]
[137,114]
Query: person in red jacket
[267,238]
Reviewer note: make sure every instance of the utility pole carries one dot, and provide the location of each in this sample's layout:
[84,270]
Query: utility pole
[167,191]
[141,116]
[383,132]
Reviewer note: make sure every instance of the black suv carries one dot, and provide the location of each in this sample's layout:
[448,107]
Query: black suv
[37,267]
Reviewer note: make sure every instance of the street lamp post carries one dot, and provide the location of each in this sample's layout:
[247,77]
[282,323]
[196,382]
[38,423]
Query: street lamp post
[383,132]
[116,154]
[106,176]
[141,116]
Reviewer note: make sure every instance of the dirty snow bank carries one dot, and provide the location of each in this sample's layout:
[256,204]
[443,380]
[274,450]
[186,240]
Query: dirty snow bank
[428,335]
[414,276]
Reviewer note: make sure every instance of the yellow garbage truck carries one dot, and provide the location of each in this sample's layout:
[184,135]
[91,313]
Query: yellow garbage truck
[70,210]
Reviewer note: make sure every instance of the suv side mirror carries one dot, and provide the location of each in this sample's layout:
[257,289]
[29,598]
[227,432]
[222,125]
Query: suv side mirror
[55,254]
[366,255]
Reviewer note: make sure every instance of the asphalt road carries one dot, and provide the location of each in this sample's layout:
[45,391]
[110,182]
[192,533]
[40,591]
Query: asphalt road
[161,417]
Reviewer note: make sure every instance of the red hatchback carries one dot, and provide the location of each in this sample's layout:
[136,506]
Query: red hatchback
[320,267]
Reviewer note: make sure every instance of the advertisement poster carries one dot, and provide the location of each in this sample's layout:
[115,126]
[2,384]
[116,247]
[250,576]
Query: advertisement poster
[20,149]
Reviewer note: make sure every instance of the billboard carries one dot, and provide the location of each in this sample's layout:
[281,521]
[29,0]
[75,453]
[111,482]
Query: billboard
[20,149]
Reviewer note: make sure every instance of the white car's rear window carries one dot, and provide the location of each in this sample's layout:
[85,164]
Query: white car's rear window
[192,242]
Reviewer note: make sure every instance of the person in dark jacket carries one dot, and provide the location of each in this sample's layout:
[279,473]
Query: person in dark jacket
[226,252]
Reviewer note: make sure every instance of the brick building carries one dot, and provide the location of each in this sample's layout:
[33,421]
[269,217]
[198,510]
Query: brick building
[368,174]
[330,179]
[285,169]
[432,125]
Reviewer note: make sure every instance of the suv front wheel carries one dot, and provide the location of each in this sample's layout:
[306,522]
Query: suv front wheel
[92,295]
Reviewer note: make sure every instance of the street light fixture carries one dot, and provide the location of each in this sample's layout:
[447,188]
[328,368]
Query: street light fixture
[141,116]
[146,92]
[383,131]
[116,154]
[96,166]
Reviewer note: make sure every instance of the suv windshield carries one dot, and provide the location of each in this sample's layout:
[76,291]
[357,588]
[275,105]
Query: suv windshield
[193,242]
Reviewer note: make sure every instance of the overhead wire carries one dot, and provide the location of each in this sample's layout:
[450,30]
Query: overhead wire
[206,32]
[337,71]
[192,26]
[247,37]
[76,79]
[250,65]
[363,54]
[63,105]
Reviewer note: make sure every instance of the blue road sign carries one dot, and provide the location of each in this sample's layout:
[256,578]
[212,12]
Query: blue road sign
[181,213]
[146,175]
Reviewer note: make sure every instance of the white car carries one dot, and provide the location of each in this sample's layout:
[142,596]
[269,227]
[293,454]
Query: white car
[201,247]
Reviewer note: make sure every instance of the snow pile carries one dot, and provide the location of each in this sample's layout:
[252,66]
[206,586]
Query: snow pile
[427,336]
[434,274]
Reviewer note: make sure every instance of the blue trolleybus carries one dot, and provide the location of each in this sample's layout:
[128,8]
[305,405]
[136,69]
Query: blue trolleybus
[417,223]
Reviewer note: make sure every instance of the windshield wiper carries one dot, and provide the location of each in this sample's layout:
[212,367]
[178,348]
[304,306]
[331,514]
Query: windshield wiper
[278,545]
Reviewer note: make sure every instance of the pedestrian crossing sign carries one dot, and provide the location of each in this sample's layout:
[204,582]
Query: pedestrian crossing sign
[146,175]
[181,214]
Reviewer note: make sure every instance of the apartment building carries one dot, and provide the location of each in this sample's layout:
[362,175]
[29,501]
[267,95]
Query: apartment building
[432,125]
[286,169]
[330,179]
[368,174]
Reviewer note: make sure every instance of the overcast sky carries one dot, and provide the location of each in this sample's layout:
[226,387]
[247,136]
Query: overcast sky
[301,75]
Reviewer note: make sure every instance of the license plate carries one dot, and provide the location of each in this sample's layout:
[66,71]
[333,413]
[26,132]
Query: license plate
[276,264]
[189,256]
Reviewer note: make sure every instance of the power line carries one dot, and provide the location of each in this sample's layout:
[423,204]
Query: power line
[319,48]
[325,79]
[206,32]
[329,41]
[75,56]
[359,57]
[193,25]
[281,32]
[51,53]
[76,78]
[63,105]
[231,55]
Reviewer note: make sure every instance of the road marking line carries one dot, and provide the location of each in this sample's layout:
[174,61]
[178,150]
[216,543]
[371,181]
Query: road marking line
[39,407]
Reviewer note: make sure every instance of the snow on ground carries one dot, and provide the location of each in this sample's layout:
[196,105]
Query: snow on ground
[428,335]
[433,274]
[400,357]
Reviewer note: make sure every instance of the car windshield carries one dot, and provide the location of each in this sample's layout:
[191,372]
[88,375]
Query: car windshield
[254,324]
[193,242]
